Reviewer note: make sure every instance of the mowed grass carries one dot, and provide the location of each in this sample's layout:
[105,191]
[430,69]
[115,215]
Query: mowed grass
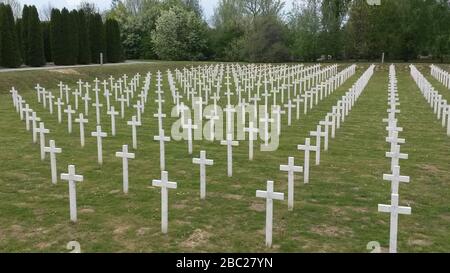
[336,212]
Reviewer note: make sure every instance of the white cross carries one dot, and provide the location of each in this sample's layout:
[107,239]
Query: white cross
[160,116]
[162,138]
[122,101]
[266,120]
[27,110]
[318,134]
[326,123]
[394,209]
[97,111]
[134,123]
[164,184]
[395,156]
[394,140]
[72,178]
[81,120]
[229,110]
[69,112]
[99,135]
[125,155]
[59,103]
[230,143]
[52,150]
[291,169]
[33,120]
[269,195]
[395,179]
[203,161]
[252,132]
[50,102]
[189,128]
[86,100]
[113,113]
[42,131]
[307,148]
[289,107]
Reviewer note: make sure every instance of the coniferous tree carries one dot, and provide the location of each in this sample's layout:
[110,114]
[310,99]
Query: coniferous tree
[19,39]
[73,37]
[9,46]
[35,39]
[65,37]
[113,43]
[97,38]
[47,45]
[84,48]
[25,29]
[56,37]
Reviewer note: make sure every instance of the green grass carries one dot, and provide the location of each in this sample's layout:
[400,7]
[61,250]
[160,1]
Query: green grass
[336,212]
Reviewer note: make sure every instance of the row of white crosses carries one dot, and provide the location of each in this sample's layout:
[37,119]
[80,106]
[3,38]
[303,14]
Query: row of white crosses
[395,178]
[441,75]
[440,105]
[332,122]
[269,194]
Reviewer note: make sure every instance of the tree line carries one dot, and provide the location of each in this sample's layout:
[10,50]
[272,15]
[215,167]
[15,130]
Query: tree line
[69,38]
[268,31]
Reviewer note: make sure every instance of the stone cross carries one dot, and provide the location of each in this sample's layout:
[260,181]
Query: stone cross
[72,178]
[394,209]
[189,126]
[307,148]
[81,120]
[230,143]
[162,138]
[318,134]
[291,169]
[99,135]
[42,131]
[69,112]
[59,103]
[52,150]
[203,161]
[395,156]
[252,132]
[164,184]
[125,155]
[269,195]
[134,123]
[113,113]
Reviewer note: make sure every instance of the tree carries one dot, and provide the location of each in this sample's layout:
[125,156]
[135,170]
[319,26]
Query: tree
[47,43]
[97,37]
[333,15]
[25,29]
[180,35]
[10,53]
[19,38]
[113,43]
[73,39]
[35,39]
[15,5]
[304,26]
[84,47]
[56,37]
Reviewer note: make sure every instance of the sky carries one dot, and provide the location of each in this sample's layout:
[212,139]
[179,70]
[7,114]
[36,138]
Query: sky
[208,5]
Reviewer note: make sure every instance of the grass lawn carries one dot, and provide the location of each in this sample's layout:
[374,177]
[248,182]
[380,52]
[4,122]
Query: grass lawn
[336,212]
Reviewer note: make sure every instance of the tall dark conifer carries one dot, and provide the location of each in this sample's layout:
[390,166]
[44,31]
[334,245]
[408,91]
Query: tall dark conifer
[10,51]
[35,39]
[84,48]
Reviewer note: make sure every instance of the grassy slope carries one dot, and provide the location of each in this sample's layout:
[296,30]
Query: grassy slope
[337,212]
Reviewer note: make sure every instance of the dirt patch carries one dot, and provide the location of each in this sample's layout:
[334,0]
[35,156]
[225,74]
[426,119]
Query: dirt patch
[429,168]
[43,245]
[121,230]
[331,231]
[179,206]
[233,196]
[114,191]
[258,207]
[87,210]
[65,71]
[142,231]
[419,242]
[197,238]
